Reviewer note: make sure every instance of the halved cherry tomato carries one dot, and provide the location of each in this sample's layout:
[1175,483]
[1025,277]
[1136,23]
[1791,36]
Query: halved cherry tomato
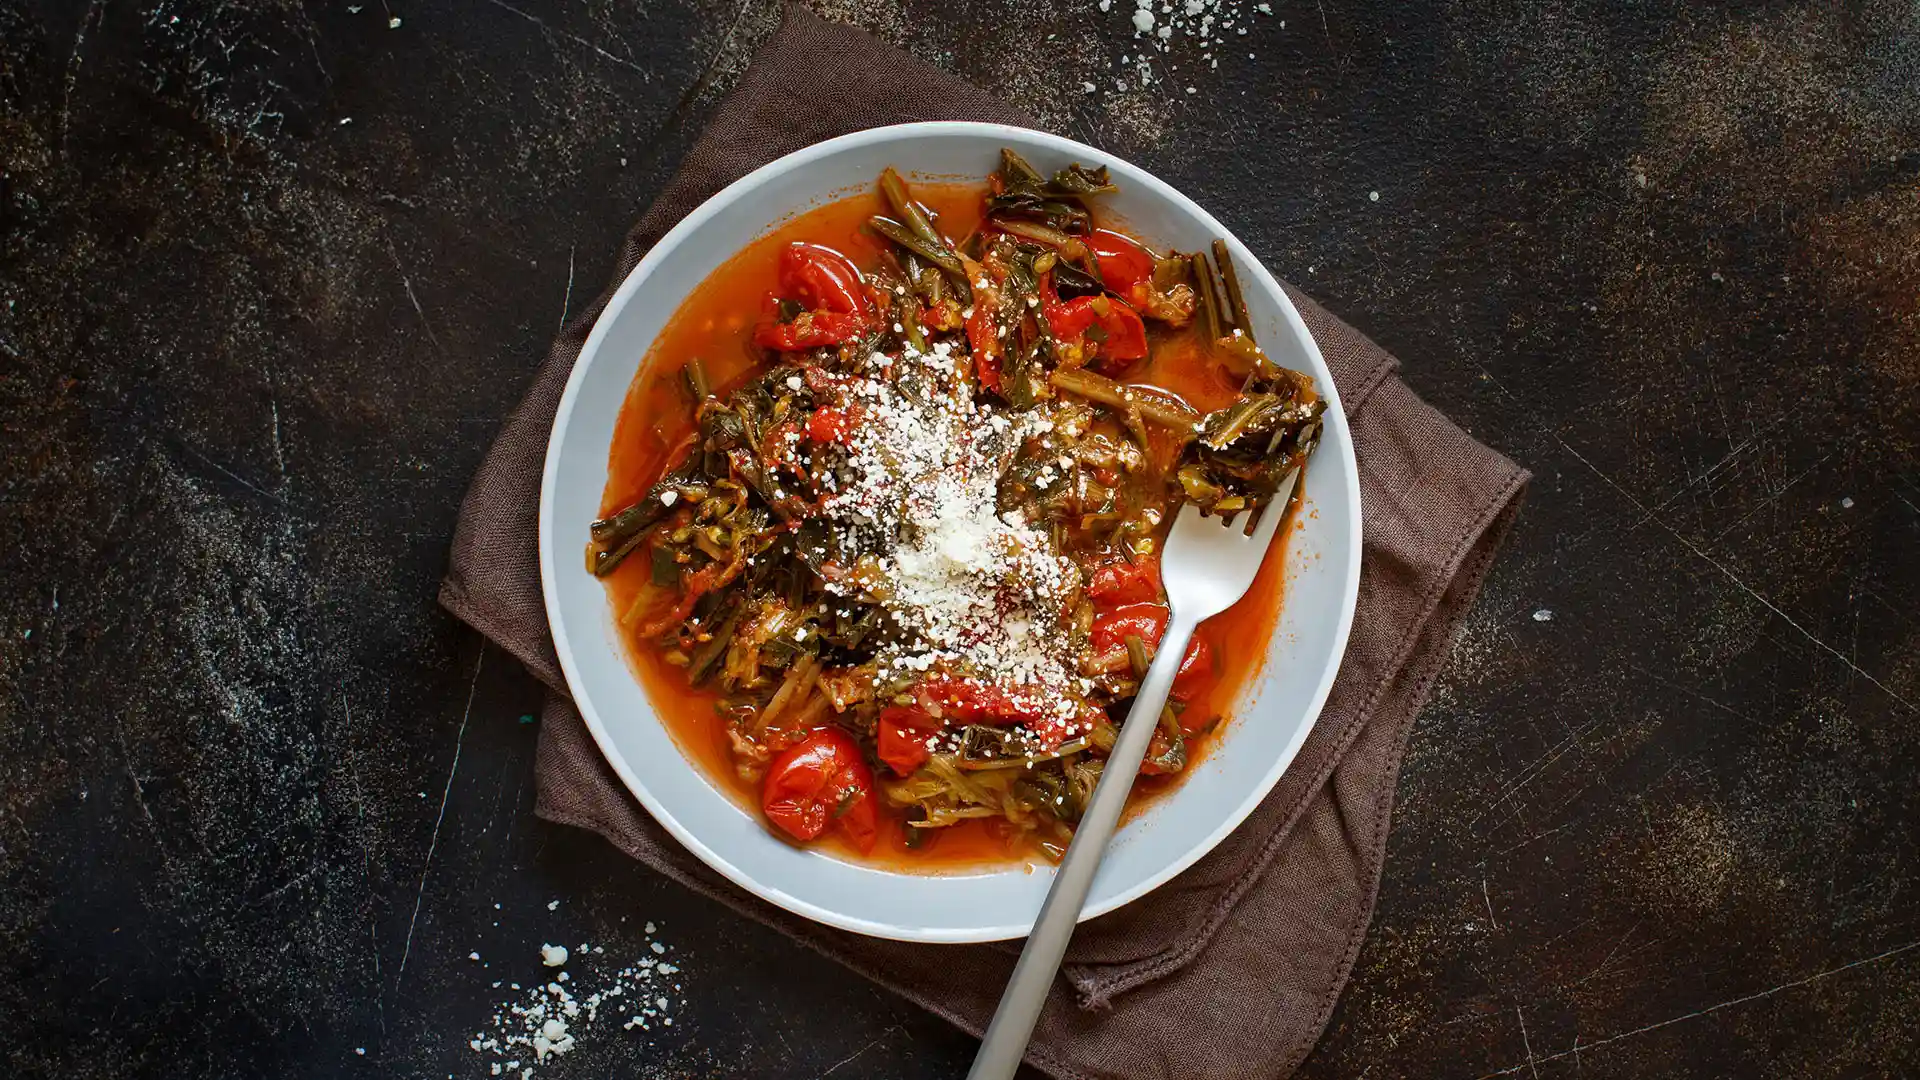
[819,781]
[809,330]
[1123,262]
[830,425]
[903,737]
[822,279]
[1122,335]
[1123,582]
[1148,622]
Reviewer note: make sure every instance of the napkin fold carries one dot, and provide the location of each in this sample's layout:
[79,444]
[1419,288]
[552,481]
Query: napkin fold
[1231,969]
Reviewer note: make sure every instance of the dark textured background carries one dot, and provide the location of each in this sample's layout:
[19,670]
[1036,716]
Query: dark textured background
[273,272]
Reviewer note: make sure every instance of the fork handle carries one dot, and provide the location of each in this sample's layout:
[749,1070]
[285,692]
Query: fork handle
[1005,1042]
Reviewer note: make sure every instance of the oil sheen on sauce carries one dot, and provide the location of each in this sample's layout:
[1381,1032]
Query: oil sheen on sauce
[716,324]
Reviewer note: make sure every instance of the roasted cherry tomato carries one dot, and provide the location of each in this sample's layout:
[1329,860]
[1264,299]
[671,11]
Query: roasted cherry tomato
[903,736]
[1112,330]
[1123,262]
[1147,622]
[976,701]
[822,279]
[971,700]
[1113,626]
[1196,670]
[809,330]
[830,288]
[1122,582]
[830,425]
[822,781]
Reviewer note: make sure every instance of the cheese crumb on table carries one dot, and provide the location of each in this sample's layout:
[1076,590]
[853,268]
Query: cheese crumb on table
[549,1020]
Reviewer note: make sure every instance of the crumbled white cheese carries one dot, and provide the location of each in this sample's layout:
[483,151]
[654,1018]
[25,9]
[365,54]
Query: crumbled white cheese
[965,584]
[548,1020]
[553,955]
[1163,27]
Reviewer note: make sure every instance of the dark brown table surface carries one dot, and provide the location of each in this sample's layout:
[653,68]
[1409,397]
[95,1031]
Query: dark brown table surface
[272,273]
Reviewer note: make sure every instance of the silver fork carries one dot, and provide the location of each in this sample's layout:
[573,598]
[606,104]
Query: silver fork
[1207,565]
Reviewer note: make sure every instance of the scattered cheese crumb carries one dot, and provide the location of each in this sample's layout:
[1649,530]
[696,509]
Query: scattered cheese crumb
[553,955]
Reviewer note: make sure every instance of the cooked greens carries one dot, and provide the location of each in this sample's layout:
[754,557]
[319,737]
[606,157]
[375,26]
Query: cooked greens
[913,553]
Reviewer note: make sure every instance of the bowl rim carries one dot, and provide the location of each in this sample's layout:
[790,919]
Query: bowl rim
[1342,443]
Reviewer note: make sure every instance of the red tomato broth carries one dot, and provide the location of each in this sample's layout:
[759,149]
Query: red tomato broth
[716,323]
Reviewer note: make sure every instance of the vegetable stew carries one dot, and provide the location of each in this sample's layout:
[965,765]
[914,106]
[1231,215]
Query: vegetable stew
[886,500]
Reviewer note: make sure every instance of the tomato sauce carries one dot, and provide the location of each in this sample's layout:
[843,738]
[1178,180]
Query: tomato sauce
[716,324]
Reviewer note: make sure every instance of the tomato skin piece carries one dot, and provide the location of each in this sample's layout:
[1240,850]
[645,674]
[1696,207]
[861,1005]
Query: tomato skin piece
[983,340]
[809,330]
[1122,582]
[1123,262]
[1156,750]
[822,279]
[1126,333]
[830,425]
[822,781]
[903,738]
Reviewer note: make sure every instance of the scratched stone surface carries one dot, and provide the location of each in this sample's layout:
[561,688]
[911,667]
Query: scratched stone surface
[273,272]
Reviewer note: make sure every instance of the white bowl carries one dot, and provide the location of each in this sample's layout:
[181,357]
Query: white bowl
[1275,712]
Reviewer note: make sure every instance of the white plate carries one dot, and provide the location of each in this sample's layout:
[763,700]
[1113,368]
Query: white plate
[1273,717]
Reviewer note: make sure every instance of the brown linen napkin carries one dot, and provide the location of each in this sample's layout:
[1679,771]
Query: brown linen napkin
[1231,969]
